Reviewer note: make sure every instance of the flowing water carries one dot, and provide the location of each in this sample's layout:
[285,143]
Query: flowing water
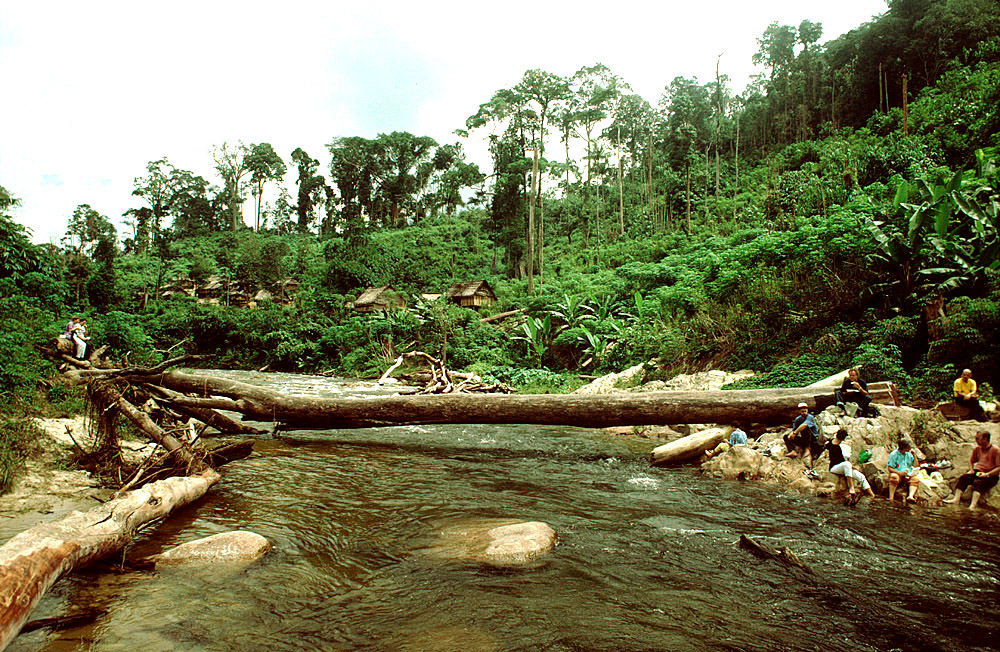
[647,558]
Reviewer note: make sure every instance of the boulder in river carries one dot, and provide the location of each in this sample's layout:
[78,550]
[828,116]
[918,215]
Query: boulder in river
[239,545]
[495,542]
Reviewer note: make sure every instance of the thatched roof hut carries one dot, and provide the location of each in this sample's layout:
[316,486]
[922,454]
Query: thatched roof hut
[376,299]
[471,294]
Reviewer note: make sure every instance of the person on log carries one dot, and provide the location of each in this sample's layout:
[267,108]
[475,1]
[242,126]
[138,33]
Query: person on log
[736,438]
[840,456]
[804,436]
[854,390]
[76,333]
[984,471]
[901,465]
[67,333]
[967,395]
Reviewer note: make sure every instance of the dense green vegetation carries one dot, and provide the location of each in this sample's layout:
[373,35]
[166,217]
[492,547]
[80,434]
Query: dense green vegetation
[795,229]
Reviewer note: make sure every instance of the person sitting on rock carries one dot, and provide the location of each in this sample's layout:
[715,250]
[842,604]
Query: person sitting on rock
[854,390]
[901,463]
[983,473]
[737,437]
[804,436]
[840,455]
[967,394]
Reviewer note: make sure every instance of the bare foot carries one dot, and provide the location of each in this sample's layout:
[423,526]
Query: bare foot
[791,454]
[911,499]
[950,501]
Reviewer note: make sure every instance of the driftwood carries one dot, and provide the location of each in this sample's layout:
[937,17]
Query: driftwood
[33,560]
[762,551]
[764,406]
[443,381]
[76,619]
[502,315]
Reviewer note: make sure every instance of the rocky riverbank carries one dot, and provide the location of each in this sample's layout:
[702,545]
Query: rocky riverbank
[934,439]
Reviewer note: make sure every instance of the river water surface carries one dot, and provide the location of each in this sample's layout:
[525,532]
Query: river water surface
[647,558]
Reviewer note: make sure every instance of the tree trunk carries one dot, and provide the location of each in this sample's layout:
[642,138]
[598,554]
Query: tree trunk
[769,406]
[531,222]
[621,192]
[688,448]
[33,560]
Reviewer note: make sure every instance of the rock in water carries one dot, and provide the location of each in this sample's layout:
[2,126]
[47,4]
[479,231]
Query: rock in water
[499,543]
[227,546]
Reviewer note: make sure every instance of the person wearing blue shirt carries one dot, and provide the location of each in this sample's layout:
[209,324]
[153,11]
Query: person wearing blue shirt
[737,436]
[804,436]
[901,463]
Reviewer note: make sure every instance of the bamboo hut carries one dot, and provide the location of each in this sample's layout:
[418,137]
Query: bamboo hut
[378,299]
[471,294]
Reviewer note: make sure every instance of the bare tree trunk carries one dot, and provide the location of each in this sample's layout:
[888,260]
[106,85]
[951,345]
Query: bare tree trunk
[906,108]
[621,192]
[688,172]
[531,222]
[33,560]
[756,405]
[736,162]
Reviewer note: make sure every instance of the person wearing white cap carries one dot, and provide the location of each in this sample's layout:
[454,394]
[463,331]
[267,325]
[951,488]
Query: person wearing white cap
[804,436]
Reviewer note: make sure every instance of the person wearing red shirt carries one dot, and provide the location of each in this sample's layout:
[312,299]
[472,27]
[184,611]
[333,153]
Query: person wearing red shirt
[984,471]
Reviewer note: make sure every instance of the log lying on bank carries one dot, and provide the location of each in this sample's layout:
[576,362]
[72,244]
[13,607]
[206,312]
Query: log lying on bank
[33,560]
[688,448]
[766,406]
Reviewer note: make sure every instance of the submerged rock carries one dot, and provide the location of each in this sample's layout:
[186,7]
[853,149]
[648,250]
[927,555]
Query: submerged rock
[227,546]
[498,543]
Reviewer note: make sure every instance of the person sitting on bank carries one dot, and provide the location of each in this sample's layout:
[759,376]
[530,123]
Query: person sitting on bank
[983,473]
[840,455]
[967,394]
[854,390]
[901,464]
[804,436]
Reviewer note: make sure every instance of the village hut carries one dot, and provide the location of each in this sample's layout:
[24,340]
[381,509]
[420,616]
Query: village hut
[471,294]
[179,286]
[263,295]
[429,297]
[214,289]
[378,299]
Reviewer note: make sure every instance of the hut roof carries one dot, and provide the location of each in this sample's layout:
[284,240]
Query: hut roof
[214,283]
[263,295]
[469,289]
[430,296]
[371,295]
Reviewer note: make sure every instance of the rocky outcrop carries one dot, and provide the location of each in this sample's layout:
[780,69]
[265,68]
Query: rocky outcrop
[612,383]
[699,381]
[495,542]
[225,547]
[933,438]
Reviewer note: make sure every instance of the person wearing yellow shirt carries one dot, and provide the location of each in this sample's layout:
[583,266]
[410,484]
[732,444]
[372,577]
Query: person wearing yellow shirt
[967,395]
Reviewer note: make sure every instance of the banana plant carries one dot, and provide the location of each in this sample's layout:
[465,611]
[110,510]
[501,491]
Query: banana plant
[573,311]
[537,333]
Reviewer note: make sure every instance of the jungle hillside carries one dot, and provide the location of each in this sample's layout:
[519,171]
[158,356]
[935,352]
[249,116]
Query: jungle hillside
[841,210]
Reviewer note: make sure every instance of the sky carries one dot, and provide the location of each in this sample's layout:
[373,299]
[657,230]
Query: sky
[93,91]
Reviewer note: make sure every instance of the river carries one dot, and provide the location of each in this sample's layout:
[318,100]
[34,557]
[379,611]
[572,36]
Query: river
[647,558]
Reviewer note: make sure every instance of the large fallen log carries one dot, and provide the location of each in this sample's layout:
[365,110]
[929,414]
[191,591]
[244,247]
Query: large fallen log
[34,559]
[769,406]
[688,448]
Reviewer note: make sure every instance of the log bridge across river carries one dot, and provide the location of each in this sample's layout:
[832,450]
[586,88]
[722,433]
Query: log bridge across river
[764,406]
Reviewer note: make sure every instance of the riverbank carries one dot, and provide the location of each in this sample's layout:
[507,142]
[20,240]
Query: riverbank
[48,487]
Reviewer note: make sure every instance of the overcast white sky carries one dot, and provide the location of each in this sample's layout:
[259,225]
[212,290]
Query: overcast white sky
[94,90]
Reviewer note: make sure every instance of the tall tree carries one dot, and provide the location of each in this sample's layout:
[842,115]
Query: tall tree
[231,163]
[265,166]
